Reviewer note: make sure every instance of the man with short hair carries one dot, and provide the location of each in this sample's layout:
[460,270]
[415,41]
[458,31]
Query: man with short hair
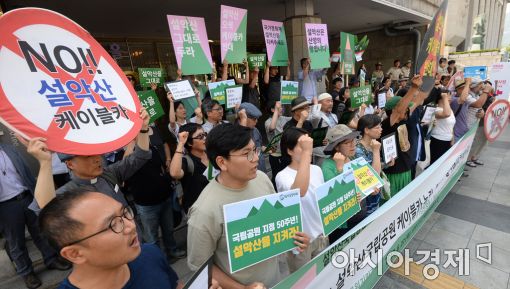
[214,114]
[335,93]
[308,78]
[98,236]
[231,150]
[248,116]
[88,170]
[272,81]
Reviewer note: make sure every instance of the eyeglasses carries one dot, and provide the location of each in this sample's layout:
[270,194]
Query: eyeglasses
[218,108]
[116,225]
[250,156]
[200,136]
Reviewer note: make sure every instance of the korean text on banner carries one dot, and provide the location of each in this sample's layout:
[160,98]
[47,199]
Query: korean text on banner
[365,177]
[234,95]
[151,75]
[257,60]
[337,201]
[191,45]
[389,147]
[150,102]
[360,95]
[233,34]
[180,89]
[289,91]
[276,42]
[389,229]
[58,82]
[500,75]
[430,49]
[318,45]
[217,89]
[261,228]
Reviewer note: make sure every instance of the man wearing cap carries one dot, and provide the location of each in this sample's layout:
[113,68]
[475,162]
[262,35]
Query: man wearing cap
[300,111]
[16,194]
[399,109]
[88,171]
[466,104]
[406,69]
[328,118]
[479,91]
[248,116]
[378,74]
[308,78]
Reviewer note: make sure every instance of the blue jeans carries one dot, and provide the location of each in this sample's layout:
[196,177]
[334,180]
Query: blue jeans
[14,216]
[156,216]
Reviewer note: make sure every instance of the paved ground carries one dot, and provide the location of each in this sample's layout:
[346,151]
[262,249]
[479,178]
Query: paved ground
[477,210]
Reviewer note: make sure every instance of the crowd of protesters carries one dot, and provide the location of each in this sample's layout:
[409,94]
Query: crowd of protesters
[105,221]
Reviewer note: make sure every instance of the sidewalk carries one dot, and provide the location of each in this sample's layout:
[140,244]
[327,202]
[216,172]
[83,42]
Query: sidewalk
[476,211]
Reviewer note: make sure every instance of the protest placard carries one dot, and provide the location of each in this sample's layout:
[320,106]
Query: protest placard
[381,100]
[389,147]
[318,45]
[347,42]
[428,114]
[289,91]
[496,119]
[59,83]
[261,228]
[337,201]
[233,34]
[217,89]
[257,60]
[234,95]
[191,45]
[276,42]
[180,89]
[150,101]
[431,47]
[360,95]
[151,75]
[500,75]
[476,72]
[366,178]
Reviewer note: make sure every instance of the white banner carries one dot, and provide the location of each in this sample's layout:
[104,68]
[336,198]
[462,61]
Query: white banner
[386,230]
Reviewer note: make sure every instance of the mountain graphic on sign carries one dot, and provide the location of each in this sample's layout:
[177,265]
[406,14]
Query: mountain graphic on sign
[337,188]
[266,207]
[290,86]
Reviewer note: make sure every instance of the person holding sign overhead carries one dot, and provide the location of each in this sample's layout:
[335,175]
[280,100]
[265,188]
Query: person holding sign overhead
[177,113]
[308,79]
[272,79]
[231,150]
[274,128]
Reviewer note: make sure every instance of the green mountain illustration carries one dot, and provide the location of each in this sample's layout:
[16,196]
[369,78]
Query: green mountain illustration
[266,207]
[337,187]
[198,64]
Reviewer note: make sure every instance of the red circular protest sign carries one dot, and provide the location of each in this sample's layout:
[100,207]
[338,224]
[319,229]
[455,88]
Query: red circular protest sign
[57,82]
[496,119]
